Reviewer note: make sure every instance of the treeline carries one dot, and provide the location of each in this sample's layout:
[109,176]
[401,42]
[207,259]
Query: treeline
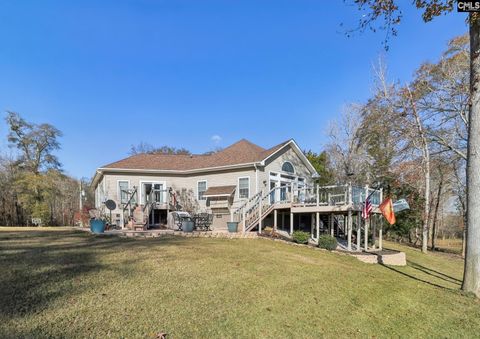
[33,187]
[411,139]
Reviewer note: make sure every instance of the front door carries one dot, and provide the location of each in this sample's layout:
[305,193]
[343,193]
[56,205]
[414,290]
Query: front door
[152,192]
[146,190]
[273,184]
[283,191]
[158,193]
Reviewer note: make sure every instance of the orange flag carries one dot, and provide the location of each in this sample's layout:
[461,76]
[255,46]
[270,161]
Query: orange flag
[387,210]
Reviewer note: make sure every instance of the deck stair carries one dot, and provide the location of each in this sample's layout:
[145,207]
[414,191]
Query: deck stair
[141,214]
[258,207]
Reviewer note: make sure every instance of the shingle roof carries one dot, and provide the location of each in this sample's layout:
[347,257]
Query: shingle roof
[241,152]
[220,190]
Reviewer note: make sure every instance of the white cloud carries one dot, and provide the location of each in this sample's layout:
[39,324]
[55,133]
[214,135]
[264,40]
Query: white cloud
[216,138]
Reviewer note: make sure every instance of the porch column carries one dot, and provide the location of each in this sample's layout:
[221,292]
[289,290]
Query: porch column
[331,224]
[317,221]
[349,230]
[359,231]
[365,236]
[275,212]
[283,221]
[291,223]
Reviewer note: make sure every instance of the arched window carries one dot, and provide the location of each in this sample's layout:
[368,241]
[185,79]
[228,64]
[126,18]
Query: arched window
[288,167]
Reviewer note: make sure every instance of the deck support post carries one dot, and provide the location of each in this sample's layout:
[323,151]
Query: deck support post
[317,221]
[337,231]
[365,236]
[349,230]
[260,214]
[331,224]
[291,223]
[275,217]
[312,225]
[359,231]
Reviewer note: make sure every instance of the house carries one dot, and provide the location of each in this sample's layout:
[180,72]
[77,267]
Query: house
[244,182]
[234,174]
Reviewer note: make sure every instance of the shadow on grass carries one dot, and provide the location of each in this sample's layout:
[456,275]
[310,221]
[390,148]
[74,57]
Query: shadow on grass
[39,268]
[434,273]
[417,278]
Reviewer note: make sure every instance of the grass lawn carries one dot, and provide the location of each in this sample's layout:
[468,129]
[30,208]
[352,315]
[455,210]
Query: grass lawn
[66,283]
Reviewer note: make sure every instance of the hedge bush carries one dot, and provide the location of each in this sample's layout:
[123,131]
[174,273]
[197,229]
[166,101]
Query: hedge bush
[300,237]
[327,242]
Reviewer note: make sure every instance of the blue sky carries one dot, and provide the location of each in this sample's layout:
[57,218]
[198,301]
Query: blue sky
[110,74]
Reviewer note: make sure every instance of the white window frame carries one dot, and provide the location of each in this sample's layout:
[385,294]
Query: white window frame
[294,169]
[238,188]
[153,182]
[198,192]
[119,194]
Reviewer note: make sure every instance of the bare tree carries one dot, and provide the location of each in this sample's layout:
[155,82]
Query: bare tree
[400,107]
[389,12]
[347,155]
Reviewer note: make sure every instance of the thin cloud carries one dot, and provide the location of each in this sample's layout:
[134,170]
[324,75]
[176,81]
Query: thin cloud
[216,138]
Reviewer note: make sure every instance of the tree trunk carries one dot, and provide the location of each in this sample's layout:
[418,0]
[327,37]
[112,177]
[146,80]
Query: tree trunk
[426,171]
[426,217]
[437,204]
[471,275]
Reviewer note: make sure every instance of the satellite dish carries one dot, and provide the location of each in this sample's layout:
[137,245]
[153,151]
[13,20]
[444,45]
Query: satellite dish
[110,204]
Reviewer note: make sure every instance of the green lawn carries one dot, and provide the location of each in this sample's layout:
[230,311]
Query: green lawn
[65,283]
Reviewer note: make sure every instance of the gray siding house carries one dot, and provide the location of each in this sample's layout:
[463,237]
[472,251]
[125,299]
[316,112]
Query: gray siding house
[222,183]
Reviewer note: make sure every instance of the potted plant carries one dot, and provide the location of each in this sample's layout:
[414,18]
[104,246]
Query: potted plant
[232,226]
[97,221]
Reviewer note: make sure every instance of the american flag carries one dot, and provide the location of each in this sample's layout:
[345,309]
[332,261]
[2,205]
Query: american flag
[367,209]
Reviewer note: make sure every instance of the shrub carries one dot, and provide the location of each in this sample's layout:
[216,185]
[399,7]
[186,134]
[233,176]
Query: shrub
[300,237]
[327,242]
[268,230]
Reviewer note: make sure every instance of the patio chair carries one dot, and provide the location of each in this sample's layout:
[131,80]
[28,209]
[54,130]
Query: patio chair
[197,220]
[177,220]
[208,222]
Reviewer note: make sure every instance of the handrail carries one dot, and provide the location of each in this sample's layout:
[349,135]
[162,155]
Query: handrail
[129,202]
[247,202]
